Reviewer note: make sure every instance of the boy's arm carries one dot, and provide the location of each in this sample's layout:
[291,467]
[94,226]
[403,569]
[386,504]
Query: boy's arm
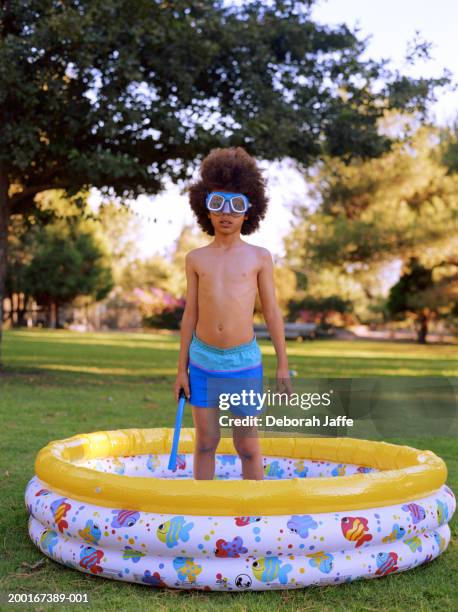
[273,316]
[188,324]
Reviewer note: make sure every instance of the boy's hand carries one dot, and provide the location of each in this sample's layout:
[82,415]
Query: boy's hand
[181,382]
[284,381]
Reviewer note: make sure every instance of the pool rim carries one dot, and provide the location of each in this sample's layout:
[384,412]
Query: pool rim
[406,474]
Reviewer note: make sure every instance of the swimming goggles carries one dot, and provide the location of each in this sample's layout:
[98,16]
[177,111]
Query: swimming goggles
[232,203]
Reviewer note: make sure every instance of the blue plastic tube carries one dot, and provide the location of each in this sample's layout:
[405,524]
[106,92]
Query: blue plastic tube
[176,433]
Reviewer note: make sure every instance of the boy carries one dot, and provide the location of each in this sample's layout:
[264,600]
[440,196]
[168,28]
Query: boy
[217,338]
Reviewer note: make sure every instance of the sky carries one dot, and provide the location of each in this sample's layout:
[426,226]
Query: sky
[391,24]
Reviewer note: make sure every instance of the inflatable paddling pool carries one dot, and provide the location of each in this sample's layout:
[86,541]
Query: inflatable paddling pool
[330,510]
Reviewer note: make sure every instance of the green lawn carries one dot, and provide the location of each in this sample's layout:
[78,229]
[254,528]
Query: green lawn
[60,383]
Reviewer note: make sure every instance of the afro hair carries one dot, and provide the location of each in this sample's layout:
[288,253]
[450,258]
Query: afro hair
[229,169]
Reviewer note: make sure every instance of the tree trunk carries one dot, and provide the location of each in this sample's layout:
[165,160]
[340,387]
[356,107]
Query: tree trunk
[47,311]
[22,311]
[8,316]
[53,315]
[422,328]
[4,222]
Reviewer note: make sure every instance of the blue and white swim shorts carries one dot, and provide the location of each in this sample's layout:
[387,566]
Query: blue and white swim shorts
[216,373]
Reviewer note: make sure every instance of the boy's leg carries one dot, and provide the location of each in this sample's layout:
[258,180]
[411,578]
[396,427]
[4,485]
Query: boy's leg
[207,440]
[246,444]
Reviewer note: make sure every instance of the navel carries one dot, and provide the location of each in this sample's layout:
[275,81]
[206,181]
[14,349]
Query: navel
[220,327]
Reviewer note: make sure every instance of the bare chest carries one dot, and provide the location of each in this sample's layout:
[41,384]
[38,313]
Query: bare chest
[220,271]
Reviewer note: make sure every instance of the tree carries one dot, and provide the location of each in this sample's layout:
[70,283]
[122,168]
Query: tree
[449,147]
[419,293]
[20,245]
[24,236]
[159,308]
[187,240]
[120,229]
[165,272]
[285,289]
[285,285]
[318,308]
[117,94]
[156,271]
[66,262]
[157,285]
[371,213]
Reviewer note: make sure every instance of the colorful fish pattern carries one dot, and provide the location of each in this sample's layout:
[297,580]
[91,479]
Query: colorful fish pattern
[42,492]
[174,530]
[339,470]
[153,462]
[243,521]
[153,580]
[232,549]
[91,532]
[118,466]
[355,529]
[130,554]
[228,459]
[59,509]
[414,543]
[301,525]
[90,558]
[362,469]
[442,512]
[237,553]
[322,560]
[440,541]
[124,518]
[273,470]
[300,469]
[181,462]
[417,512]
[186,569]
[268,569]
[386,563]
[396,534]
[48,540]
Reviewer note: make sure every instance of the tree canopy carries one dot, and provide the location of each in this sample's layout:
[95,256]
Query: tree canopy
[67,262]
[56,255]
[117,94]
[426,294]
[370,213]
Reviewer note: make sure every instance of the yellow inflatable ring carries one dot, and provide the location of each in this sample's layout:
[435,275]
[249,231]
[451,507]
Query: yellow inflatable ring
[406,474]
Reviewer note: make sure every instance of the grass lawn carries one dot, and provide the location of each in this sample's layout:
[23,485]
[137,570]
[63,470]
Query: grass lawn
[60,383]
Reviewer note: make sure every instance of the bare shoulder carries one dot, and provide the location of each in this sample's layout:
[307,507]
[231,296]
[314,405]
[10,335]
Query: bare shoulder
[263,255]
[194,255]
[199,259]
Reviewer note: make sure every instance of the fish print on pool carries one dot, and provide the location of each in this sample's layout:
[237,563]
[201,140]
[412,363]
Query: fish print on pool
[236,553]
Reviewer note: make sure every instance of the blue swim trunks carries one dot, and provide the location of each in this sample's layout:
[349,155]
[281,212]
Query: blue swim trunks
[215,373]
